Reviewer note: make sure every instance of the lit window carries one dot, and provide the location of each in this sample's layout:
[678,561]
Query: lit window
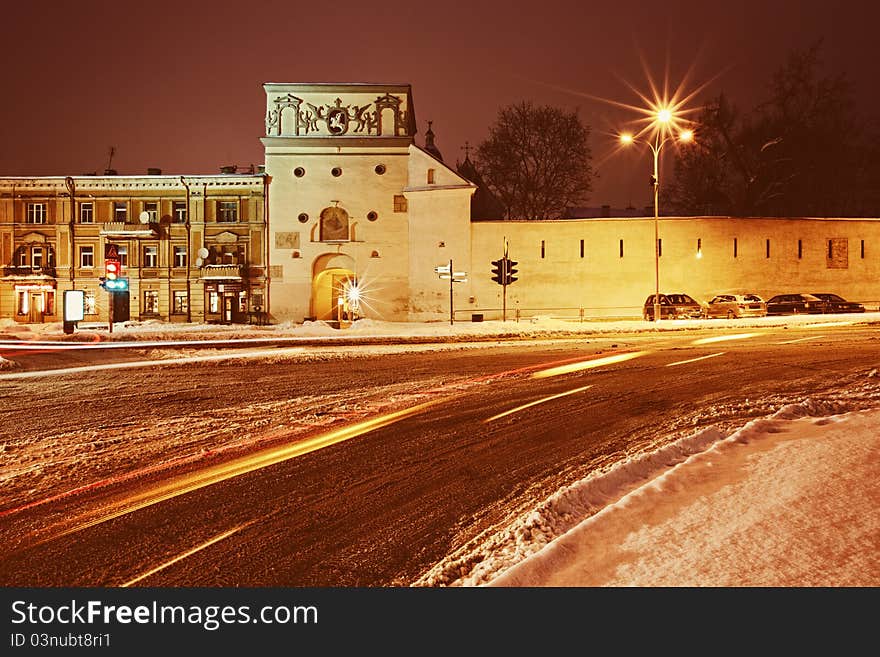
[22,257]
[399,203]
[86,213]
[181,303]
[213,302]
[123,255]
[430,176]
[36,213]
[89,303]
[36,257]
[87,257]
[151,302]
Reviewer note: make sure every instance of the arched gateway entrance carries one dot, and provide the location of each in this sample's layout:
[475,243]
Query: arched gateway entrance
[332,274]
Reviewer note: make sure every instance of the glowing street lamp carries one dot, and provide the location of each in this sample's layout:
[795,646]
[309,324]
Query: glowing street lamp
[664,132]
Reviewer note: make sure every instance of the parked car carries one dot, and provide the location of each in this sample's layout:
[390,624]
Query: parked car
[674,306]
[795,304]
[838,304]
[736,305]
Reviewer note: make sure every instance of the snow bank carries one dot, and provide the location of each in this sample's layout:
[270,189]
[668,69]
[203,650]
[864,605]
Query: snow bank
[484,559]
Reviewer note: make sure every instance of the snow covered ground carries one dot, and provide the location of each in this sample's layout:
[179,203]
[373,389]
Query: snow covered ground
[787,500]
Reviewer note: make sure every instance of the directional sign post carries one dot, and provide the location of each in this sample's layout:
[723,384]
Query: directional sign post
[446,272]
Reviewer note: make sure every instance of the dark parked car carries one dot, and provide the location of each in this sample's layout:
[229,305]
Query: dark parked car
[796,304]
[838,304]
[674,306]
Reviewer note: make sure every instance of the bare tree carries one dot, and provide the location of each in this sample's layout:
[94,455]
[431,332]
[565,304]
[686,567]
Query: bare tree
[536,161]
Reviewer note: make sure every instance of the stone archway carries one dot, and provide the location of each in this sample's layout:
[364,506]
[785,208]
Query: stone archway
[330,273]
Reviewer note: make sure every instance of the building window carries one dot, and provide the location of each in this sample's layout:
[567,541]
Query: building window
[181,303]
[380,169]
[299,172]
[227,211]
[22,257]
[863,249]
[122,251]
[36,257]
[86,213]
[36,213]
[120,211]
[336,172]
[372,215]
[151,256]
[213,302]
[180,256]
[659,247]
[87,257]
[178,212]
[22,305]
[152,210]
[621,248]
[303,218]
[582,248]
[430,176]
[399,203]
[800,249]
[151,302]
[767,249]
[543,250]
[89,303]
[734,247]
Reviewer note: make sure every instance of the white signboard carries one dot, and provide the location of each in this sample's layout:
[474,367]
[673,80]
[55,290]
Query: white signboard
[74,305]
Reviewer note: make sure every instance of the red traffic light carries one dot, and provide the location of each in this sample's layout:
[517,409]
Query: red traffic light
[112,268]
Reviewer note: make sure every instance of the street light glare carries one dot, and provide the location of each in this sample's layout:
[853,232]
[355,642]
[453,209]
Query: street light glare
[626,138]
[686,135]
[664,115]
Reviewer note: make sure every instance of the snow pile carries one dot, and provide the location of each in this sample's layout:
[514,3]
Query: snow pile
[485,558]
[6,364]
[787,501]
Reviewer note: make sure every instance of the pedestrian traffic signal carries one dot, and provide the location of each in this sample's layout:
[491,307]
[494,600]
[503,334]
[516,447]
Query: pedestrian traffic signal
[509,271]
[498,271]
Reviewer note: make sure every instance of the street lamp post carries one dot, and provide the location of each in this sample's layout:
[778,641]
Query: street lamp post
[662,136]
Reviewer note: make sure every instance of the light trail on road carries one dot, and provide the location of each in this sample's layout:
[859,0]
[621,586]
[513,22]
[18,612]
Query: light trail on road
[286,351]
[694,360]
[234,468]
[188,553]
[812,337]
[725,338]
[587,364]
[535,403]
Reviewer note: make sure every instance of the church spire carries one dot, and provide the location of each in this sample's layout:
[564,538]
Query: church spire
[429,143]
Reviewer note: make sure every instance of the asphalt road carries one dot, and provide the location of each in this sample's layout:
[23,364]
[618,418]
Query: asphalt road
[352,468]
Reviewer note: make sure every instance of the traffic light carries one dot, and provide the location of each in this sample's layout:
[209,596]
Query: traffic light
[111,280]
[112,269]
[510,270]
[498,271]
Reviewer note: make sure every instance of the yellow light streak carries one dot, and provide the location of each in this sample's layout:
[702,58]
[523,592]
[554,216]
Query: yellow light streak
[215,474]
[586,365]
[725,338]
[812,337]
[694,360]
[535,403]
[186,554]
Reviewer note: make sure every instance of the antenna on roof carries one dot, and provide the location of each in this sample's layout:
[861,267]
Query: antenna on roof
[111,152]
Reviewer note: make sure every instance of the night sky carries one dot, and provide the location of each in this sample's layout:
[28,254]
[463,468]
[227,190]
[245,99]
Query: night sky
[178,85]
